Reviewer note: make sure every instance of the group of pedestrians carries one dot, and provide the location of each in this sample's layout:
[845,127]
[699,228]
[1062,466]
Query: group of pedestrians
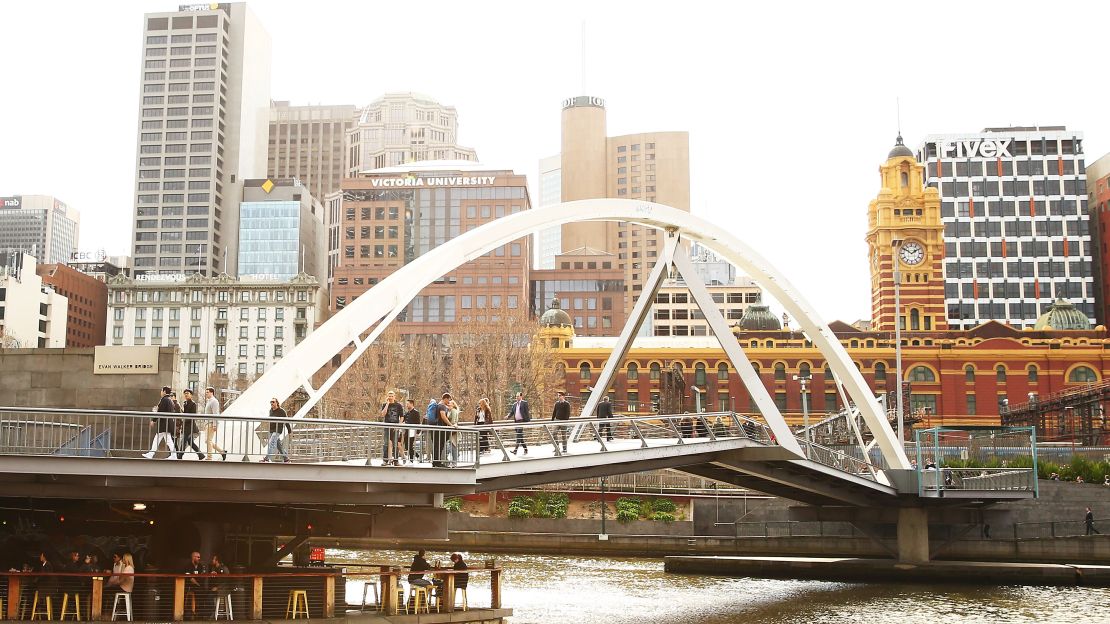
[180,434]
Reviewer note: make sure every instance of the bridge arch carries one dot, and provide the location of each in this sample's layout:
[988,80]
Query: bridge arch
[388,298]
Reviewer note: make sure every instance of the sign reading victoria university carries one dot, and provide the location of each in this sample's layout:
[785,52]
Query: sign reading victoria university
[113,360]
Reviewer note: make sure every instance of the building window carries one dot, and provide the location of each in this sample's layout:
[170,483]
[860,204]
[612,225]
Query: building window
[1000,373]
[654,371]
[971,404]
[584,371]
[722,372]
[780,401]
[922,374]
[1032,373]
[1082,374]
[880,371]
[633,371]
[780,371]
[969,373]
[699,375]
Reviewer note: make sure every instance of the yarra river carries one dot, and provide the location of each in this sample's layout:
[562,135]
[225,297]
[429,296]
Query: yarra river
[544,589]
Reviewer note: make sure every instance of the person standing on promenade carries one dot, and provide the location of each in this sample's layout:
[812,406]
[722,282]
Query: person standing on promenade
[519,414]
[1089,520]
[453,437]
[439,438]
[561,411]
[391,414]
[212,408]
[188,427]
[412,417]
[605,410]
[165,425]
[278,425]
[483,416]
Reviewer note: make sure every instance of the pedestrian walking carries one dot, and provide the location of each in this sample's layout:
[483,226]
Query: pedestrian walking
[483,416]
[278,424]
[439,438]
[605,410]
[412,417]
[163,425]
[188,427]
[561,412]
[211,425]
[1089,520]
[519,414]
[392,412]
[452,437]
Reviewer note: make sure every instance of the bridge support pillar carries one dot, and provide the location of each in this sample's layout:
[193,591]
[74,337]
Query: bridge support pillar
[913,535]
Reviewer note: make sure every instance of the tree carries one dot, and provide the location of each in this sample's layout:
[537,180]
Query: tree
[8,341]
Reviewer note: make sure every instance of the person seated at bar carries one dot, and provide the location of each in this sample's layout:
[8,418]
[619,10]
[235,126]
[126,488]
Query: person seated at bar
[122,565]
[458,564]
[217,587]
[419,564]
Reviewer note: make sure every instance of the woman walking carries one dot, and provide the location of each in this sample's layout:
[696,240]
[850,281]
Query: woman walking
[483,416]
[453,439]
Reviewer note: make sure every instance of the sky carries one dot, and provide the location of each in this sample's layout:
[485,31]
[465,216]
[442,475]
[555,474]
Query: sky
[791,107]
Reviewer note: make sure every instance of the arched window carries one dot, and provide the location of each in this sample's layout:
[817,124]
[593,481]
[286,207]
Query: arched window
[1032,373]
[828,374]
[780,371]
[969,373]
[633,371]
[923,374]
[915,319]
[880,371]
[699,375]
[654,371]
[803,369]
[755,367]
[584,371]
[1000,373]
[770,344]
[905,179]
[1082,374]
[722,372]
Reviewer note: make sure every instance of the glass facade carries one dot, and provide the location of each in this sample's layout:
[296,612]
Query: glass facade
[269,236]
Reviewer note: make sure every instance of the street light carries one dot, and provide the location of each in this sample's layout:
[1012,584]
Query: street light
[803,380]
[897,246]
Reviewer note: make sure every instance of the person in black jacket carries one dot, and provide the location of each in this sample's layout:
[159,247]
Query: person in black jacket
[605,410]
[165,425]
[188,429]
[412,417]
[392,412]
[1089,520]
[561,411]
[519,413]
[278,424]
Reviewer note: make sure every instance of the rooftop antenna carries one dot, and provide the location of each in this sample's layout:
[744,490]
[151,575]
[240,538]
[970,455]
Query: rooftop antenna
[898,115]
[583,92]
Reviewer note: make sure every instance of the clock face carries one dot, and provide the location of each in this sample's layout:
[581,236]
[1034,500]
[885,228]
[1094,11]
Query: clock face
[912,253]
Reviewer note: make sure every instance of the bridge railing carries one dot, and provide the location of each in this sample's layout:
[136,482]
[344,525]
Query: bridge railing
[978,479]
[150,435]
[837,459]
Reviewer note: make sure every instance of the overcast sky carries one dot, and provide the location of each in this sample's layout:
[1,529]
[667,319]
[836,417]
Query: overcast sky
[790,106]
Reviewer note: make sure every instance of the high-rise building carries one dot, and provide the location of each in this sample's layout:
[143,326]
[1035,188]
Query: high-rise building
[385,219]
[39,225]
[87,298]
[1098,205]
[1013,202]
[400,128]
[589,287]
[281,231]
[549,240]
[307,143]
[676,314]
[32,314]
[652,166]
[205,108]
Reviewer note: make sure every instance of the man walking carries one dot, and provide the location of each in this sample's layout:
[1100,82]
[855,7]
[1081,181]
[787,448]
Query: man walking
[412,417]
[212,408]
[605,410]
[519,414]
[188,427]
[439,438]
[561,411]
[278,424]
[1089,520]
[165,426]
[391,414]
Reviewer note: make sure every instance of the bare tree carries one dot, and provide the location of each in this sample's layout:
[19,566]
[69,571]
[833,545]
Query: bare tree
[8,341]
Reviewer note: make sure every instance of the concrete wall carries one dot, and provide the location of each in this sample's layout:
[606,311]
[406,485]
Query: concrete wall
[64,378]
[460,522]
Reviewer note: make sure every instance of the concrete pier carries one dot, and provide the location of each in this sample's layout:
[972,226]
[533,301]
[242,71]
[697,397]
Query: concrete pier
[887,570]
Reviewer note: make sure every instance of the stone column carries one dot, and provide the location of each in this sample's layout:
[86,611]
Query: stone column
[913,535]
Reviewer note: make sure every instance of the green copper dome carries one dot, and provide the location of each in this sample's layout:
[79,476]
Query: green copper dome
[759,317]
[555,317]
[1063,315]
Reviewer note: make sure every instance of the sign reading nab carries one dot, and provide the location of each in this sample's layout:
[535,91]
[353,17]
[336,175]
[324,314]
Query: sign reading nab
[113,360]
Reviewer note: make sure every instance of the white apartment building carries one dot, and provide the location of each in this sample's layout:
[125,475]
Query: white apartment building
[401,128]
[222,325]
[675,313]
[31,314]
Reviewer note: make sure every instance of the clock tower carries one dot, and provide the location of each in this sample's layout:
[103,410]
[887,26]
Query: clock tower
[905,236]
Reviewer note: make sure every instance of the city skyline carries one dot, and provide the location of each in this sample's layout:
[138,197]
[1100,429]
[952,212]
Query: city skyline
[749,123]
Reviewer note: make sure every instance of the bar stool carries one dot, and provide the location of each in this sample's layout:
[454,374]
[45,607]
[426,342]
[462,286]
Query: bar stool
[35,607]
[366,587]
[418,593]
[463,590]
[297,597]
[126,596]
[76,606]
[224,600]
[402,603]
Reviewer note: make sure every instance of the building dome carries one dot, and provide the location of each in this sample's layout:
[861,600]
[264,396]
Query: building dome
[899,149]
[1063,315]
[759,317]
[555,317]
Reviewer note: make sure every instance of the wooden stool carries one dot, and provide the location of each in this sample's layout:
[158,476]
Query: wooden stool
[35,607]
[297,597]
[418,592]
[76,606]
[366,587]
[224,600]
[402,603]
[463,590]
[126,596]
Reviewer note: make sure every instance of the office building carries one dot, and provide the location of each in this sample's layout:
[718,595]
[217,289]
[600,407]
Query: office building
[39,225]
[32,314]
[401,128]
[549,240]
[386,218]
[307,143]
[87,303]
[1098,203]
[1016,233]
[281,231]
[676,314]
[100,265]
[226,329]
[653,166]
[589,287]
[204,114]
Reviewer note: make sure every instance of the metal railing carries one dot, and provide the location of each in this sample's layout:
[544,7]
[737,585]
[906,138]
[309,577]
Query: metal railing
[103,433]
[978,479]
[838,460]
[649,482]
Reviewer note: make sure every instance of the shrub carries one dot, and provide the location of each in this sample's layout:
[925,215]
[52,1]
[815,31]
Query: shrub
[557,505]
[624,515]
[665,505]
[520,507]
[629,504]
[663,516]
[453,504]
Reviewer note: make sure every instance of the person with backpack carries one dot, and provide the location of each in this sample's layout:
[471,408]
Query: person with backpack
[391,413]
[439,438]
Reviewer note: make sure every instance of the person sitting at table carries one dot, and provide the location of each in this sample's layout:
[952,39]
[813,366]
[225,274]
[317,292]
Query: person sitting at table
[460,579]
[419,564]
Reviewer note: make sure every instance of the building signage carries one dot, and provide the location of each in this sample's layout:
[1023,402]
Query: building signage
[88,256]
[11,202]
[584,100]
[447,181]
[154,277]
[113,360]
[985,148]
[211,6]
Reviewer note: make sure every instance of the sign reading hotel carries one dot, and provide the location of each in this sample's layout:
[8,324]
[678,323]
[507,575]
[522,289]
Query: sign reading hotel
[445,181]
[113,360]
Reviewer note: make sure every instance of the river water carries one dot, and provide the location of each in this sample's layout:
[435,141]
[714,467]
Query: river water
[544,589]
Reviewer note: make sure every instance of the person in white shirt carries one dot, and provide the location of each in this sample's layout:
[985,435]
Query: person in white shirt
[212,407]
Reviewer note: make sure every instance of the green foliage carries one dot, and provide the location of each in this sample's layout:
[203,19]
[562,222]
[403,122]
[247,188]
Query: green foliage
[557,505]
[520,507]
[1092,471]
[664,505]
[624,515]
[631,508]
[663,516]
[542,505]
[453,504]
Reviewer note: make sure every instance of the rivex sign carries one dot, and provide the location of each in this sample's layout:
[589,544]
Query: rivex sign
[113,360]
[971,148]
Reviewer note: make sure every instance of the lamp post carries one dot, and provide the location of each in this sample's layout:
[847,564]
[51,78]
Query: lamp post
[803,380]
[900,417]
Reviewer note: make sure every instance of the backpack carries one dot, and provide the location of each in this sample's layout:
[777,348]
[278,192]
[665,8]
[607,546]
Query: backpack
[433,414]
